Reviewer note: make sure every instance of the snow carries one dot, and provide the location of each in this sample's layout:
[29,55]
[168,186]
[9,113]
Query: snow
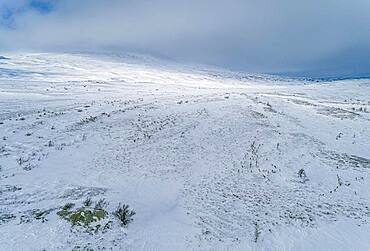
[208,158]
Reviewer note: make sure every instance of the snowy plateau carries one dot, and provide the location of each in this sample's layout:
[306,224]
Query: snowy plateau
[208,159]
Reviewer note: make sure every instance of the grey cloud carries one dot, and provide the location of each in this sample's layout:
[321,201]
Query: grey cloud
[318,37]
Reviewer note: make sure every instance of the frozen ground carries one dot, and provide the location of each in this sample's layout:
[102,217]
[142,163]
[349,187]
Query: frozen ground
[208,159]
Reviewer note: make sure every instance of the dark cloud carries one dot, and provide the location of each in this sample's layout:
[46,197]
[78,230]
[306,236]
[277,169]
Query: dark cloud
[312,37]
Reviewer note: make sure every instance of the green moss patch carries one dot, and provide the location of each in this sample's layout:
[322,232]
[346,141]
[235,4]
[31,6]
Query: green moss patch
[83,216]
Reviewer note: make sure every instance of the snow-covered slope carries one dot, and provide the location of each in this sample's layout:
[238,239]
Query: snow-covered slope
[208,159]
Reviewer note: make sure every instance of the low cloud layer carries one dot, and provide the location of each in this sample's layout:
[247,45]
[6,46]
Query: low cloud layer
[326,38]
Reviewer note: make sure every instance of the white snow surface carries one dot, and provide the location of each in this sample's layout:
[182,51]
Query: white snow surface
[209,159]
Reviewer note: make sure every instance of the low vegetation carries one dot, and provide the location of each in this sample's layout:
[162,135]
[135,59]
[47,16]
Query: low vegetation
[95,217]
[124,214]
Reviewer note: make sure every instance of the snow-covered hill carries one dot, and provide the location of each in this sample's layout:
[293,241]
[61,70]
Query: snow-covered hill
[208,159]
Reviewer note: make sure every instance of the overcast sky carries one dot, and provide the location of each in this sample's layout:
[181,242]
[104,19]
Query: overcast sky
[315,37]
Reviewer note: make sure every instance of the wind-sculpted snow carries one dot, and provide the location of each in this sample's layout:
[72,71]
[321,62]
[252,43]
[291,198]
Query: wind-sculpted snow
[208,159]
